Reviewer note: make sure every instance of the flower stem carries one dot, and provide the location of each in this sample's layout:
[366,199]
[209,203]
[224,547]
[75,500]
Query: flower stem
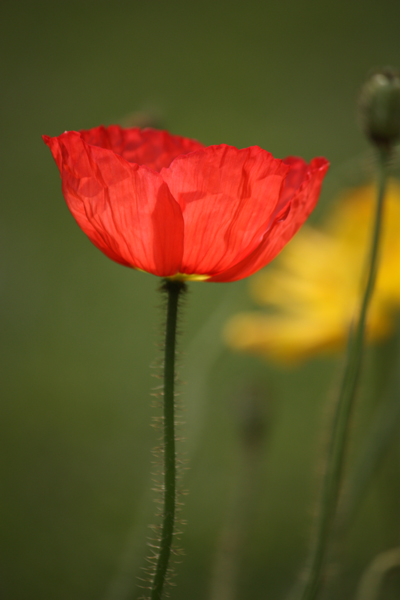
[173,289]
[336,452]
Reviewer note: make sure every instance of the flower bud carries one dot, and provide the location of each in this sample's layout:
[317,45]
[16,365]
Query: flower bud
[379,106]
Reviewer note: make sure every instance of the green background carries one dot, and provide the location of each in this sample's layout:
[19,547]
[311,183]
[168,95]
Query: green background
[79,333]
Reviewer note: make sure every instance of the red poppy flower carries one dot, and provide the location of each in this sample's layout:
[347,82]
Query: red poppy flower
[172,207]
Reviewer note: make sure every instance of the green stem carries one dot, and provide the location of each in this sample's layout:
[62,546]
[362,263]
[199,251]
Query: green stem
[173,289]
[337,448]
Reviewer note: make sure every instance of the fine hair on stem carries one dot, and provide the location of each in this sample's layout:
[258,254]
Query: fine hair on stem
[162,546]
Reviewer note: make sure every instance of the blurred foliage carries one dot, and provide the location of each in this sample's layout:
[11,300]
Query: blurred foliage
[79,332]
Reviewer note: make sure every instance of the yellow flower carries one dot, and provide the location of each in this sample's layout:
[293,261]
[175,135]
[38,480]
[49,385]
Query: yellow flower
[313,289]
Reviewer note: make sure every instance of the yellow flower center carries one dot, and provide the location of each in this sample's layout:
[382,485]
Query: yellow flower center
[186,277]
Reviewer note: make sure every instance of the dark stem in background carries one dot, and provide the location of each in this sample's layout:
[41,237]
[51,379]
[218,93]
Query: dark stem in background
[253,416]
[337,447]
[173,290]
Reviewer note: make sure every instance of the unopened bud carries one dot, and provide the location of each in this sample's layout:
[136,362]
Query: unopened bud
[380,107]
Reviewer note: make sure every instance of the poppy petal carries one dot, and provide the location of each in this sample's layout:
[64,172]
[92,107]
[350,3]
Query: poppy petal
[151,147]
[227,197]
[287,221]
[126,210]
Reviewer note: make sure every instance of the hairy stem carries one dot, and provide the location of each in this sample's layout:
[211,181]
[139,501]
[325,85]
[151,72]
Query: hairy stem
[173,289]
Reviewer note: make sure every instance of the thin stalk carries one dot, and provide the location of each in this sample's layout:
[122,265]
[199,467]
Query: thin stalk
[337,447]
[173,289]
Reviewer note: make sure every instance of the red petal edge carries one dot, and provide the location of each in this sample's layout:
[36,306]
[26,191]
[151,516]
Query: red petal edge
[287,222]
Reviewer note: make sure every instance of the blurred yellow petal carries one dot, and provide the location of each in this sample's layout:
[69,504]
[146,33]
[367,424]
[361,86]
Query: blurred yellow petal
[289,339]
